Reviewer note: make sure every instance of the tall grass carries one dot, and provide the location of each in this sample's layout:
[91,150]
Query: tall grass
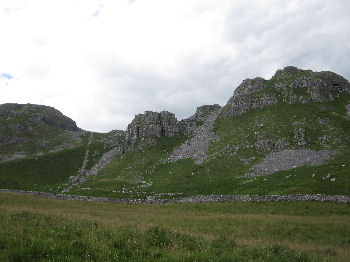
[39,229]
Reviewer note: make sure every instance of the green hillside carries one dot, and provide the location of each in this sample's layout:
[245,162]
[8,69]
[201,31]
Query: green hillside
[286,135]
[308,113]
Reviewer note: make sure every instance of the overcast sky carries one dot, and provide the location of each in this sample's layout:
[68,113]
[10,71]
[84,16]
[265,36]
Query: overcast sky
[102,62]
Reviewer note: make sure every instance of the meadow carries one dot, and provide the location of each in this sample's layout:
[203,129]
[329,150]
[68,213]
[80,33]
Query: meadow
[40,229]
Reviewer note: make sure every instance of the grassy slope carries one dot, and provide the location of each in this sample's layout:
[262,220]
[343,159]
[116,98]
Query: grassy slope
[42,173]
[33,134]
[51,171]
[43,229]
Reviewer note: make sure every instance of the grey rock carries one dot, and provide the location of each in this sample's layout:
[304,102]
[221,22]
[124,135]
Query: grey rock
[299,137]
[192,199]
[250,86]
[264,146]
[287,72]
[289,159]
[238,105]
[38,113]
[247,96]
[189,125]
[247,161]
[17,155]
[152,124]
[8,140]
[197,146]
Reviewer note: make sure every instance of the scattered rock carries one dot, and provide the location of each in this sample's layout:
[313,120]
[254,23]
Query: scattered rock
[299,137]
[290,159]
[193,199]
[197,146]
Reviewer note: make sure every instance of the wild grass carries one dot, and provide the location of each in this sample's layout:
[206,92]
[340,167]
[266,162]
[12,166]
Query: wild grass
[42,173]
[40,229]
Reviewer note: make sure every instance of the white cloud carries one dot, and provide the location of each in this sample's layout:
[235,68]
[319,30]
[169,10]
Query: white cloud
[102,61]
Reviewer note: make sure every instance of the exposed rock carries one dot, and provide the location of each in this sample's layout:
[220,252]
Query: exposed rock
[197,146]
[153,124]
[38,113]
[248,96]
[286,72]
[192,199]
[334,81]
[293,85]
[81,173]
[264,146]
[289,159]
[250,86]
[247,161]
[104,161]
[14,156]
[115,138]
[299,137]
[188,125]
[6,140]
[238,105]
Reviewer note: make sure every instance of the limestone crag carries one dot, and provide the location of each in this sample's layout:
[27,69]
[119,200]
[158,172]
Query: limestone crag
[37,114]
[197,146]
[153,124]
[188,125]
[290,85]
[286,72]
[27,130]
[248,96]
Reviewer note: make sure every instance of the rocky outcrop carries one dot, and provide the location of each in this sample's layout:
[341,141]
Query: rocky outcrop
[153,124]
[189,125]
[33,130]
[286,72]
[290,85]
[249,95]
[37,114]
[200,126]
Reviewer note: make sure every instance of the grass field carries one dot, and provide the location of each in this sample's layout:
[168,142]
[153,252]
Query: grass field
[40,229]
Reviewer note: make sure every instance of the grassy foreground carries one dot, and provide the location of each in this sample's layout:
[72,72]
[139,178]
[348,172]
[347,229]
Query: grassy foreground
[39,229]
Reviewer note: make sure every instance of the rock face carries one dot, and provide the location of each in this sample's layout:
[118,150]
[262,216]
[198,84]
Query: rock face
[37,114]
[189,125]
[291,85]
[153,124]
[286,72]
[28,129]
[249,95]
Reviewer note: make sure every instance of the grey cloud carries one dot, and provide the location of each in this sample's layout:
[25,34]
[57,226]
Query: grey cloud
[315,35]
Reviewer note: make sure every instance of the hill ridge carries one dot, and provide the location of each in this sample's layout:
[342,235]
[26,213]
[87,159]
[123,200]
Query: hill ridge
[298,118]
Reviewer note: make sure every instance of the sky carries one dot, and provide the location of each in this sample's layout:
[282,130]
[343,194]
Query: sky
[100,62]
